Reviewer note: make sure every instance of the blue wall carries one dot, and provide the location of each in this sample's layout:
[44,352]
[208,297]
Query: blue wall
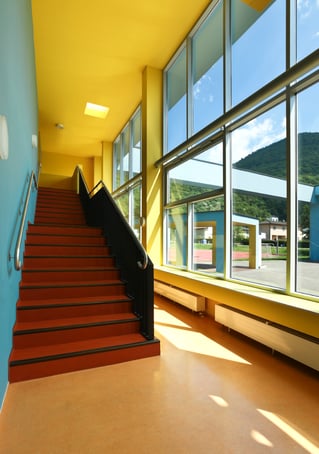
[18,102]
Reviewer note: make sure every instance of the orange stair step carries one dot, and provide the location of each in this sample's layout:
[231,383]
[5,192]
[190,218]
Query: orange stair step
[52,360]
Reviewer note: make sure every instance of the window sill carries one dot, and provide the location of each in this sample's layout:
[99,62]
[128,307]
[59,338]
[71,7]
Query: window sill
[211,284]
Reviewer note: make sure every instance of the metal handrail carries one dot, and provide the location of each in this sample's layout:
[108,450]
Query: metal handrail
[142,264]
[17,262]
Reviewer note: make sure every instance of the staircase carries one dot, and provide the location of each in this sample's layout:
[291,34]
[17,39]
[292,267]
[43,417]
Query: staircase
[73,312]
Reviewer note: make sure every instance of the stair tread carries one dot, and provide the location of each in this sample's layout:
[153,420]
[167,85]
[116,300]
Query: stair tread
[67,235]
[32,241]
[86,227]
[60,224]
[37,303]
[70,268]
[71,322]
[55,350]
[67,256]
[64,284]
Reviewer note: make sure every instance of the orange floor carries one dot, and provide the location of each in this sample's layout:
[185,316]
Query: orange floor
[208,392]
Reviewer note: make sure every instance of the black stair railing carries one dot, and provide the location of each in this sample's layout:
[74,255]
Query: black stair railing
[136,267]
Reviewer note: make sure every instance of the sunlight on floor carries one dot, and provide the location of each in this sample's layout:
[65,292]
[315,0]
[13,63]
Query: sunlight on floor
[183,337]
[219,401]
[166,318]
[290,431]
[261,439]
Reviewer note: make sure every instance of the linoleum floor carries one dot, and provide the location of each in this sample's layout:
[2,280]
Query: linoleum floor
[209,392]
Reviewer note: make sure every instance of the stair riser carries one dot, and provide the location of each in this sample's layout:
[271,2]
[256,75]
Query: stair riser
[74,335]
[67,262]
[70,239]
[43,207]
[58,196]
[60,214]
[68,220]
[58,250]
[56,230]
[46,203]
[54,313]
[68,276]
[51,202]
[71,292]
[76,363]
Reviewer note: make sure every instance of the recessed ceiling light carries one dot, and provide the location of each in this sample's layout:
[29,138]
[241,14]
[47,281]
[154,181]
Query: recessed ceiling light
[95,110]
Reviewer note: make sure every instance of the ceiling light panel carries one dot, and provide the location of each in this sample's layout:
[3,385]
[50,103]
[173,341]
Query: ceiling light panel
[95,110]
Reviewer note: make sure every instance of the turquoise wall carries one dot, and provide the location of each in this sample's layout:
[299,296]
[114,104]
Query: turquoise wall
[18,102]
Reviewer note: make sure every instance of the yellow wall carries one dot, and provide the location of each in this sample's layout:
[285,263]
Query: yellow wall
[151,152]
[97,164]
[301,315]
[107,163]
[57,169]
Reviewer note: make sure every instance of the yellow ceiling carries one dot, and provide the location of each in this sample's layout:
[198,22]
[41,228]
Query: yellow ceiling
[95,51]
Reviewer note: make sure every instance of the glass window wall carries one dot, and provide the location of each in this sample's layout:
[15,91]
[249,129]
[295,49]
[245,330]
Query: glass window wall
[127,171]
[307,27]
[258,45]
[176,112]
[259,181]
[207,70]
[242,198]
[307,227]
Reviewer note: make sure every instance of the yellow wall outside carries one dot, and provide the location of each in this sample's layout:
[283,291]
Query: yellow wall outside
[57,169]
[258,5]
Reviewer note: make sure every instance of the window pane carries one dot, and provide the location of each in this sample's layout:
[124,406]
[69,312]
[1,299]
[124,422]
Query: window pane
[208,235]
[176,236]
[136,144]
[201,174]
[125,136]
[123,204]
[258,46]
[308,192]
[176,102]
[117,164]
[207,47]
[307,27]
[259,200]
[136,210]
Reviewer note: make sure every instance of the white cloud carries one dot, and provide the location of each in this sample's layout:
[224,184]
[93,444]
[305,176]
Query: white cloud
[304,8]
[255,135]
[202,89]
[197,89]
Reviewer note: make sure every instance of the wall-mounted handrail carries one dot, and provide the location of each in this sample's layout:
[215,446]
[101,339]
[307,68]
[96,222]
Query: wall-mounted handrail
[17,262]
[142,264]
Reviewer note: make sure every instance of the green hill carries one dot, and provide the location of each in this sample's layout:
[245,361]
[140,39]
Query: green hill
[271,160]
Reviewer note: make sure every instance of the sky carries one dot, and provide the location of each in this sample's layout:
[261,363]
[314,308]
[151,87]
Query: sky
[253,66]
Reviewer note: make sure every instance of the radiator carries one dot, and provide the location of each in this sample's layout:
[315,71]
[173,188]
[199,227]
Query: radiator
[291,343]
[194,302]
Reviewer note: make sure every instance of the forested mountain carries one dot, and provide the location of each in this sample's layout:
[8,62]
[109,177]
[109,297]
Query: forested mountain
[271,160]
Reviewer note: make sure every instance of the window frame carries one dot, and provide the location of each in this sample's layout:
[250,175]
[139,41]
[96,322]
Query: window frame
[297,76]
